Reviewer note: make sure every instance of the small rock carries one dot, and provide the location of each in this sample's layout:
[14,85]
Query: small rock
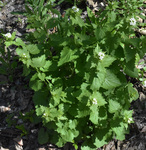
[144,129]
[142,31]
[20,121]
[140,19]
[4,109]
[41,148]
[142,96]
[18,140]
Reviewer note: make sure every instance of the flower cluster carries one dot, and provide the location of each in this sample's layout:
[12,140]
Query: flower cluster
[8,35]
[24,55]
[94,101]
[101,55]
[75,9]
[132,21]
[130,120]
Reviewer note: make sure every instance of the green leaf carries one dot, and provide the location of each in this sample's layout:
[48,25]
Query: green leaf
[130,69]
[111,81]
[49,66]
[33,49]
[56,96]
[35,83]
[69,135]
[99,33]
[80,21]
[133,93]
[95,84]
[43,136]
[119,129]
[129,53]
[100,137]
[99,98]
[67,55]
[53,22]
[73,124]
[112,16]
[41,76]
[107,61]
[19,42]
[90,13]
[94,117]
[113,106]
[39,61]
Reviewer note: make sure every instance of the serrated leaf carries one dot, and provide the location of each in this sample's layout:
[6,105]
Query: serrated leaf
[80,21]
[90,13]
[97,81]
[100,137]
[114,106]
[95,84]
[72,124]
[107,61]
[49,66]
[133,93]
[129,53]
[56,96]
[41,76]
[53,22]
[97,50]
[111,81]
[33,49]
[67,55]
[130,69]
[19,42]
[99,33]
[35,83]
[68,136]
[94,117]
[43,136]
[101,75]
[38,111]
[112,16]
[99,98]
[38,61]
[119,129]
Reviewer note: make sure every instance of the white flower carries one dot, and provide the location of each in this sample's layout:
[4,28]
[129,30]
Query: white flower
[24,55]
[144,83]
[132,21]
[75,9]
[94,101]
[8,35]
[101,55]
[130,120]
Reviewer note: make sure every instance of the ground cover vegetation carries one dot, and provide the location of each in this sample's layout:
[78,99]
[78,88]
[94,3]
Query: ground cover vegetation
[77,68]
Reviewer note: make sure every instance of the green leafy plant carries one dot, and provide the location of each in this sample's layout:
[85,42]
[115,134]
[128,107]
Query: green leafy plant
[23,129]
[7,63]
[10,120]
[141,70]
[78,71]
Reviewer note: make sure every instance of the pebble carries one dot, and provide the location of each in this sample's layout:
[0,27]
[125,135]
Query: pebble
[18,140]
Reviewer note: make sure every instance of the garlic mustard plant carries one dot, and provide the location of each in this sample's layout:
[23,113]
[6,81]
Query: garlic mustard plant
[76,95]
